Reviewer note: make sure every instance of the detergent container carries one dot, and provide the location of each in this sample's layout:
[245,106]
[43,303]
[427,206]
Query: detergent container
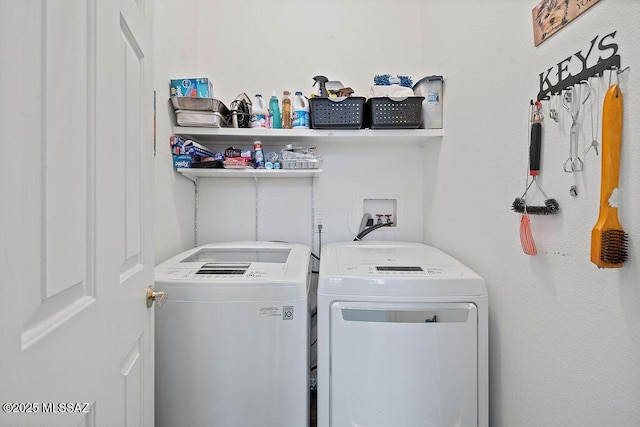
[274,112]
[300,111]
[259,112]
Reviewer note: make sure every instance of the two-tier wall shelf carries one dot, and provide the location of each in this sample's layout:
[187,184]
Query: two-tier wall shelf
[195,173]
[207,135]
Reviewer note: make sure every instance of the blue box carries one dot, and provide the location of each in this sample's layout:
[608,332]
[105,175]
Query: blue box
[195,88]
[181,161]
[180,145]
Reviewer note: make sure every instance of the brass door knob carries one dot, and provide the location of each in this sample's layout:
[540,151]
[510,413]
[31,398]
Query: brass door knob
[153,296]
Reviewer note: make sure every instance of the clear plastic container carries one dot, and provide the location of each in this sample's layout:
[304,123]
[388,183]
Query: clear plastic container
[431,87]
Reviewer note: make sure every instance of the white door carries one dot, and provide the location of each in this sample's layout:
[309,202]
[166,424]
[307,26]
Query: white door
[76,338]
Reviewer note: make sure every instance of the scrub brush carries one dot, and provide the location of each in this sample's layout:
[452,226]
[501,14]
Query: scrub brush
[608,239]
[551,206]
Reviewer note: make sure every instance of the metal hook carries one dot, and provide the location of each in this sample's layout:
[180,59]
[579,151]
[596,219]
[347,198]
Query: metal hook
[611,72]
[617,70]
[588,93]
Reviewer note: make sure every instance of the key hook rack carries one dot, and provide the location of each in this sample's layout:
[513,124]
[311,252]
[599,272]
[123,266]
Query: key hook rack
[612,63]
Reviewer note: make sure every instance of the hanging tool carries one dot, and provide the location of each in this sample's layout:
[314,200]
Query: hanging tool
[573,96]
[551,206]
[520,203]
[595,108]
[608,239]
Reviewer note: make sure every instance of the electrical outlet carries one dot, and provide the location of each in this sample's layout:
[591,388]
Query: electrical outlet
[319,220]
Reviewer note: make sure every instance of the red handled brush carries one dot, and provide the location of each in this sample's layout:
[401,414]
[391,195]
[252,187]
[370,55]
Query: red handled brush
[520,205]
[608,239]
[551,206]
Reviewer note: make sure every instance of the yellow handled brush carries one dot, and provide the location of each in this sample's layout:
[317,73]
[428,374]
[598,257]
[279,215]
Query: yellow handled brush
[608,239]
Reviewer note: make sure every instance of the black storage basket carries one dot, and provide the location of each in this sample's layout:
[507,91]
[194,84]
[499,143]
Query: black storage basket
[336,113]
[385,113]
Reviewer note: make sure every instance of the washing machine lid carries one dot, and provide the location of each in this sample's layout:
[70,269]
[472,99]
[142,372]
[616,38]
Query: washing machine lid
[237,262]
[222,255]
[394,269]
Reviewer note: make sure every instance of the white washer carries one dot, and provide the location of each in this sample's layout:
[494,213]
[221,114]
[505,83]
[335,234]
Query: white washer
[232,336]
[402,338]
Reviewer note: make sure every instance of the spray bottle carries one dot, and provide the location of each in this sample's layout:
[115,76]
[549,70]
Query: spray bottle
[322,82]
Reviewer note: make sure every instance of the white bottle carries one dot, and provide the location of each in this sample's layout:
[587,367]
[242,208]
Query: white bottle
[259,112]
[300,111]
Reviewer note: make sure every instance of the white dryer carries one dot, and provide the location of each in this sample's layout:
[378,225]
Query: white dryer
[231,344]
[402,338]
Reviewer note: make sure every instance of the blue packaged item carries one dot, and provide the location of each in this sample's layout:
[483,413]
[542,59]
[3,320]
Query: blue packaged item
[180,145]
[192,148]
[181,161]
[195,88]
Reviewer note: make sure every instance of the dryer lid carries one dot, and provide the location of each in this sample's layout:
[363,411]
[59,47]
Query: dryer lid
[395,260]
[402,269]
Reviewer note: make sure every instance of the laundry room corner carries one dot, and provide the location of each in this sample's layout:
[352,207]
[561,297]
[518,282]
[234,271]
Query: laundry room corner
[562,332]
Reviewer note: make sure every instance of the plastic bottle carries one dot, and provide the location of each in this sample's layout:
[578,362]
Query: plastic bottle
[300,111]
[258,112]
[274,111]
[286,110]
[258,155]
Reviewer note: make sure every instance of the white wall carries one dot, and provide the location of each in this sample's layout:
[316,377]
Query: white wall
[563,334]
[280,45]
